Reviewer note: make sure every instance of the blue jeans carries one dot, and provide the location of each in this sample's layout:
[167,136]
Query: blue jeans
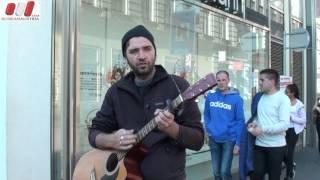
[221,155]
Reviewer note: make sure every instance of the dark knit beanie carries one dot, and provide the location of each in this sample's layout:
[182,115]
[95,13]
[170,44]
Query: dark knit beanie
[136,32]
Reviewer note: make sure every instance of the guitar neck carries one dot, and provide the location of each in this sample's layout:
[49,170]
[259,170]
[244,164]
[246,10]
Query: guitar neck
[152,124]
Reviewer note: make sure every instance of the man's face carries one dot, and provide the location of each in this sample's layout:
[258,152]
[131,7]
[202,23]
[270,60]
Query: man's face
[265,84]
[222,81]
[140,55]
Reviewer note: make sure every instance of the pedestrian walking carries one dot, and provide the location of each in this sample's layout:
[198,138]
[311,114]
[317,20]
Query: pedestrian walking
[224,119]
[269,127]
[296,126]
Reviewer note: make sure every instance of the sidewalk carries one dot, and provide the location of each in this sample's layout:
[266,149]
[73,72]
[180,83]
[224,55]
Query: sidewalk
[308,164]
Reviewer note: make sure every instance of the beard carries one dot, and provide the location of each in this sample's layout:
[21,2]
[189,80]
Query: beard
[142,72]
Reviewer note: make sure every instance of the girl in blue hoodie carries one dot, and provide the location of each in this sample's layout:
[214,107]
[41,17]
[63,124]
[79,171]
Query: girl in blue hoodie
[224,119]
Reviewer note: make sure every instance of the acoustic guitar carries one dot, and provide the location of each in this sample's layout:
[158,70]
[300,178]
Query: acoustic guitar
[110,165]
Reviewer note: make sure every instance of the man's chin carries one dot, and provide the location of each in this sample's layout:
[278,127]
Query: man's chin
[143,72]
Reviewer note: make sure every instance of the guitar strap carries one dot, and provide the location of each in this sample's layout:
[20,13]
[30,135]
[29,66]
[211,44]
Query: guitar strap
[179,110]
[175,83]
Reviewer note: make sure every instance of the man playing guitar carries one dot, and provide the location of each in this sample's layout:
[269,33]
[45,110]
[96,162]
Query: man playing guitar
[137,98]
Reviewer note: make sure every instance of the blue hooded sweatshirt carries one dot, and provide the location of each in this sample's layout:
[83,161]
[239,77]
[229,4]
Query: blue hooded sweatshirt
[224,116]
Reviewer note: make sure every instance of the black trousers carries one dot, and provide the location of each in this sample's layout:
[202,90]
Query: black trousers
[291,138]
[318,131]
[268,160]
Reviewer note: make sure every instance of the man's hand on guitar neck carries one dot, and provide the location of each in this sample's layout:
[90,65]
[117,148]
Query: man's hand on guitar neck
[121,139]
[166,123]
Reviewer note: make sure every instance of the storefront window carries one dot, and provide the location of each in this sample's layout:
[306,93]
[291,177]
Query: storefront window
[277,4]
[257,11]
[251,4]
[191,42]
[260,6]
[277,25]
[297,9]
[295,24]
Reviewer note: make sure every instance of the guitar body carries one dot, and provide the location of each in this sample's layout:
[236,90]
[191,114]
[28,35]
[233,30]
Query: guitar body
[133,160]
[93,165]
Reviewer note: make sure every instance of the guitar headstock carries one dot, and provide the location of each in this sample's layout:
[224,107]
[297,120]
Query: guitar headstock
[199,87]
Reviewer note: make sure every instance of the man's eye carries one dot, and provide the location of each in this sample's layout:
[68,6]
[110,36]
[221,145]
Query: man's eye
[133,51]
[148,48]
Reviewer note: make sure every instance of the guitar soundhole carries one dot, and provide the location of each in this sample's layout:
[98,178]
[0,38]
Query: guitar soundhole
[112,162]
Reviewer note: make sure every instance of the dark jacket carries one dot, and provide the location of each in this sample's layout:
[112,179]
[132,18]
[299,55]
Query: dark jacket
[124,107]
[247,142]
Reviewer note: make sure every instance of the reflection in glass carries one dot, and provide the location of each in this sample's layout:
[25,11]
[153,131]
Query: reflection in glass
[260,6]
[277,3]
[295,24]
[296,9]
[277,25]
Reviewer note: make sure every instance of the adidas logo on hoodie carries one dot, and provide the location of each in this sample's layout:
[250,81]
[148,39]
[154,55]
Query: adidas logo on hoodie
[220,105]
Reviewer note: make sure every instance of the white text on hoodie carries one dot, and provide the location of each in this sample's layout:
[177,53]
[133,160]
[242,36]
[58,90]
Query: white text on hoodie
[220,105]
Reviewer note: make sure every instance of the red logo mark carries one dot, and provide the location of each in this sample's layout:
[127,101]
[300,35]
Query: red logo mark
[22,8]
[10,8]
[29,8]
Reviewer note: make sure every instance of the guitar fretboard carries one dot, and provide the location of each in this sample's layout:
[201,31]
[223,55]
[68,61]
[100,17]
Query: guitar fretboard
[151,125]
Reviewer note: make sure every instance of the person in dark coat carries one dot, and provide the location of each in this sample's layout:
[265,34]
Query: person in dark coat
[316,113]
[138,97]
[247,142]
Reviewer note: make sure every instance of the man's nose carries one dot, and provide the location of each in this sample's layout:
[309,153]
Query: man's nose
[141,55]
